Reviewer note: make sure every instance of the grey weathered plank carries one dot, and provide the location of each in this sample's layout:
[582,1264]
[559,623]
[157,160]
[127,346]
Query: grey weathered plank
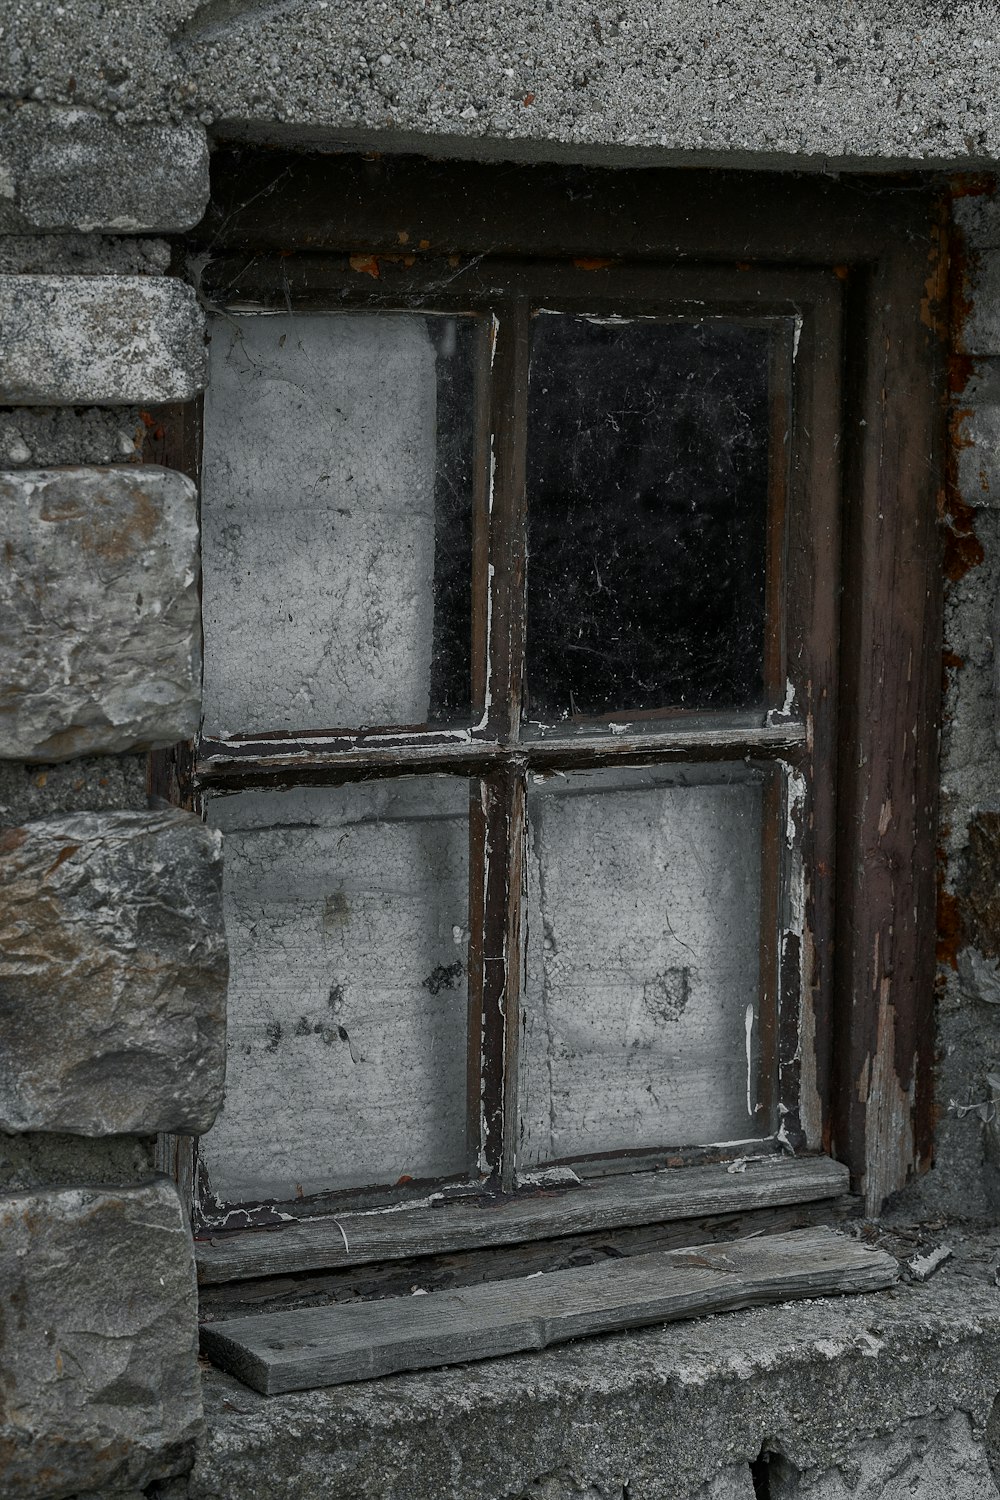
[353,1239]
[360,1340]
[443,1273]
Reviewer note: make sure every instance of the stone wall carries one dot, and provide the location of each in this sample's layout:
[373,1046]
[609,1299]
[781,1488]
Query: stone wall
[965,1179]
[112,953]
[112,974]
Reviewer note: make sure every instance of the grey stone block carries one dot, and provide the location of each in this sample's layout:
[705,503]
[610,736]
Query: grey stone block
[113,969]
[74,169]
[98,1343]
[99,340]
[100,642]
[981,332]
[922,1461]
[977,215]
[978,448]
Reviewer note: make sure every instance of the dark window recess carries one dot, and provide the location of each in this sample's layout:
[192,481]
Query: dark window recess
[647,487]
[554,675]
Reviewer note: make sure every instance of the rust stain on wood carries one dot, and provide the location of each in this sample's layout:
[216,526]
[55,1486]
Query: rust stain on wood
[365,265]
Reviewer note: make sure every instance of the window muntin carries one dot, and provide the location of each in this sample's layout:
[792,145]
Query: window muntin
[501,923]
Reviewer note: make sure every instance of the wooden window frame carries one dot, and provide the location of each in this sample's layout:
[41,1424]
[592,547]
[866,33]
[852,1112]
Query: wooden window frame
[861,265]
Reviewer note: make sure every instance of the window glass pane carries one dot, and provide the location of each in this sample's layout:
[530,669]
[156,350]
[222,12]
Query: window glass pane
[641,1006]
[346,913]
[337,520]
[647,486]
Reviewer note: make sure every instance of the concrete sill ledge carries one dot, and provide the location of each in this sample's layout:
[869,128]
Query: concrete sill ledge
[653,1415]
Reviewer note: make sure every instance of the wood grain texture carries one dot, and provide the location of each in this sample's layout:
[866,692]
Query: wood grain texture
[608,1203]
[441,1273]
[361,1340]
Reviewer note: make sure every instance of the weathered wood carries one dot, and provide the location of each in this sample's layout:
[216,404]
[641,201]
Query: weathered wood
[430,1273]
[361,1340]
[278,759]
[348,203]
[610,1202]
[883,1109]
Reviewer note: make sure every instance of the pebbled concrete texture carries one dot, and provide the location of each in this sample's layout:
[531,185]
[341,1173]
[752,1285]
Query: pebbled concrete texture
[28,1162]
[100,636]
[873,81]
[95,783]
[98,1341]
[99,340]
[663,1411]
[113,972]
[81,255]
[923,1460]
[39,437]
[74,169]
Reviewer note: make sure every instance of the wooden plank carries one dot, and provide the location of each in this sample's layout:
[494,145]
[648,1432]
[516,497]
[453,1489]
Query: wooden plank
[260,197]
[883,1041]
[464,1223]
[441,1273]
[264,760]
[309,1347]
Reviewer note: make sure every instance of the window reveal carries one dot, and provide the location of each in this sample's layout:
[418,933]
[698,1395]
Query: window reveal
[549,744]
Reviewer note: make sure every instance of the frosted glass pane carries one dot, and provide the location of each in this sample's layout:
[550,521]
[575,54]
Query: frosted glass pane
[336,520]
[642,972]
[346,912]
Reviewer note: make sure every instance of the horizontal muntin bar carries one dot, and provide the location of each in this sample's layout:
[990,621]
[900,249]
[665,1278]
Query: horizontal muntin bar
[262,759]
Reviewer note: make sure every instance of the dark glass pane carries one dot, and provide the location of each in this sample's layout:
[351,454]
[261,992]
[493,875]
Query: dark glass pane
[337,520]
[647,485]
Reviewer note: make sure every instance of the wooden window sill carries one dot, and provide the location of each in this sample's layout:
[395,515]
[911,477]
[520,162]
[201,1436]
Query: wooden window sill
[440,1225]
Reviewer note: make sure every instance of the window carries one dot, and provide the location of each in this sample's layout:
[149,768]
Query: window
[570,690]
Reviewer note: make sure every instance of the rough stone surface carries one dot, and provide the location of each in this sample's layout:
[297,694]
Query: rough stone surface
[112,975]
[98,783]
[73,169]
[98,1341]
[978,430]
[866,82]
[99,340]
[981,333]
[924,1460]
[37,437]
[37,1161]
[99,618]
[662,1411]
[81,255]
